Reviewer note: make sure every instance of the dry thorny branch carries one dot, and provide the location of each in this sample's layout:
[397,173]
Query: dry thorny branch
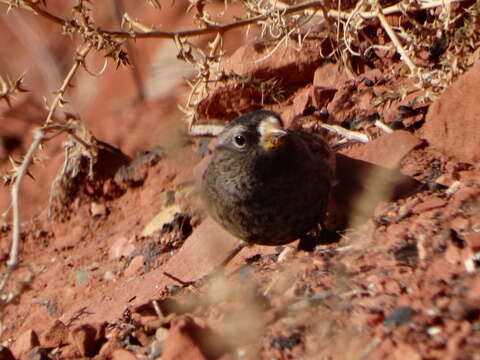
[40,135]
[276,21]
[8,89]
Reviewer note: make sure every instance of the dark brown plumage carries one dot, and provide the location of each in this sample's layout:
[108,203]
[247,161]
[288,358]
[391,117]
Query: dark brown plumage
[266,185]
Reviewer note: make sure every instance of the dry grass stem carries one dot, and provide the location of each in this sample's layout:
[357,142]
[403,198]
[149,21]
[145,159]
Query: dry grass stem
[413,69]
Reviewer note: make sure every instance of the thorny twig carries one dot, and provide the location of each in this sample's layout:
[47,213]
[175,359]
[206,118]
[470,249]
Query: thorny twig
[39,137]
[393,9]
[119,9]
[80,60]
[12,262]
[310,6]
[9,88]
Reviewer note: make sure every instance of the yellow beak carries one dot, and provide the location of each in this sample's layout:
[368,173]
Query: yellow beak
[272,136]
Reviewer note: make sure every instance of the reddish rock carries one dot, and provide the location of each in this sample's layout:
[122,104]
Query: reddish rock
[120,247]
[404,351]
[69,351]
[373,75]
[473,241]
[88,338]
[322,96]
[460,224]
[429,204]
[343,102]
[453,254]
[302,100]
[255,60]
[453,120]
[474,290]
[97,209]
[329,75]
[24,343]
[109,348]
[180,343]
[392,287]
[387,150]
[204,249]
[56,335]
[135,267]
[122,354]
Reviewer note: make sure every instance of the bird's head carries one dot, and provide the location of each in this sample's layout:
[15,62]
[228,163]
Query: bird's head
[259,131]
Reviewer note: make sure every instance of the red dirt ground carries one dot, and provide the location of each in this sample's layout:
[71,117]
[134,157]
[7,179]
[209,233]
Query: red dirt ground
[401,283]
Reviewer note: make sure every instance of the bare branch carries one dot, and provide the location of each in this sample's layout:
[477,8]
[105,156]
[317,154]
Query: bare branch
[348,134]
[80,60]
[15,191]
[309,7]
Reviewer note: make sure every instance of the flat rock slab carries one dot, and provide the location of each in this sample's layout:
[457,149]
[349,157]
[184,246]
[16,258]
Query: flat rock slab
[387,150]
[204,250]
[453,121]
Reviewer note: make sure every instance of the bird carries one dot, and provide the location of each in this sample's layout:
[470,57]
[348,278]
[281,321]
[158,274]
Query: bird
[266,184]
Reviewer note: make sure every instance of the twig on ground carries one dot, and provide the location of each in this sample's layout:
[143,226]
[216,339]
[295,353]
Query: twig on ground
[181,282]
[348,134]
[384,127]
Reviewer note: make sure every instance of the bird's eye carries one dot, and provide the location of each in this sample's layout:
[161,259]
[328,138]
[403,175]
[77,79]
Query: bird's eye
[239,141]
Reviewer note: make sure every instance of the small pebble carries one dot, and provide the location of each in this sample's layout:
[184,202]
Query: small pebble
[98,210]
[472,264]
[284,342]
[369,82]
[81,275]
[399,316]
[434,330]
[109,275]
